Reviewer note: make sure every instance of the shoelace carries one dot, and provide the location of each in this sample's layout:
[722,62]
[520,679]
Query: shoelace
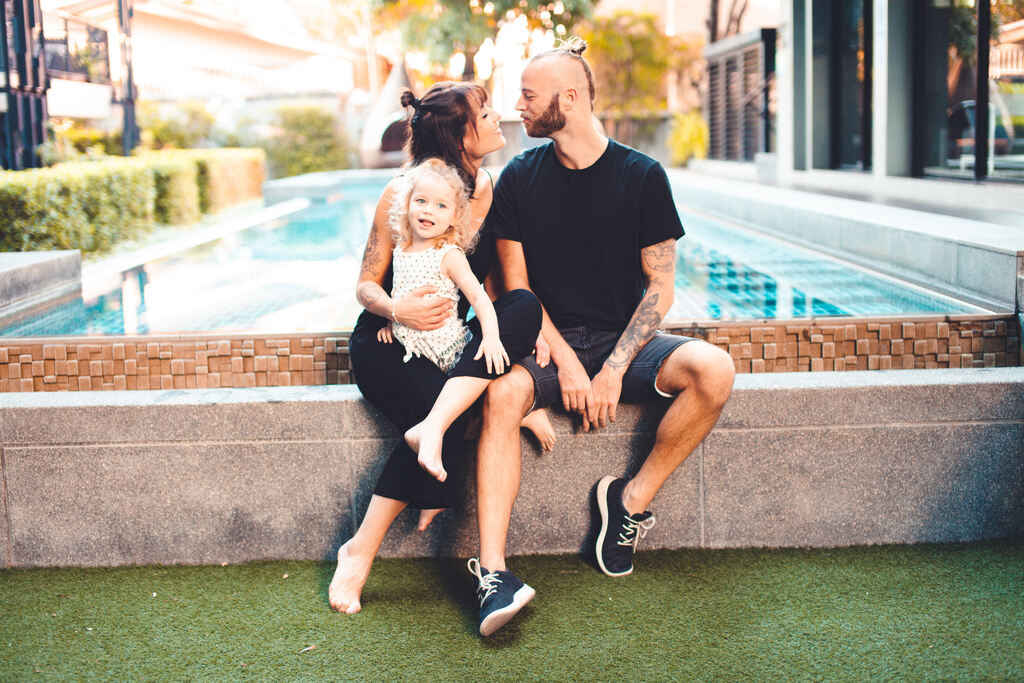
[488,582]
[633,530]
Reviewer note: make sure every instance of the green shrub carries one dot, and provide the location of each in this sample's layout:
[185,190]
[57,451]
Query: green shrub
[179,126]
[688,138]
[177,189]
[87,140]
[309,139]
[80,205]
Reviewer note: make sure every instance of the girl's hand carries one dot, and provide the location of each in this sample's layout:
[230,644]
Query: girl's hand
[494,354]
[421,311]
[384,334]
[543,351]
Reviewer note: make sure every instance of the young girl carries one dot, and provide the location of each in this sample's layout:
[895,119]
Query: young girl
[429,219]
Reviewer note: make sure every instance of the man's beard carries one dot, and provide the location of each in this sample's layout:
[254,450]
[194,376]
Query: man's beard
[551,121]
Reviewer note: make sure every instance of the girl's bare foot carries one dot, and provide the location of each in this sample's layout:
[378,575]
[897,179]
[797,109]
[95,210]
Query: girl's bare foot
[539,423]
[349,579]
[426,443]
[427,516]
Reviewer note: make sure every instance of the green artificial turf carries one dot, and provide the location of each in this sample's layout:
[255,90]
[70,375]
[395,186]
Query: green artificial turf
[952,612]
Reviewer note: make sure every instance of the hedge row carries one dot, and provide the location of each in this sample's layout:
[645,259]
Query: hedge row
[92,205]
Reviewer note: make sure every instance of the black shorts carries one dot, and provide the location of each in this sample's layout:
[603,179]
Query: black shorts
[593,347]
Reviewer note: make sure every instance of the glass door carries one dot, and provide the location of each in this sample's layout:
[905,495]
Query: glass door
[851,84]
[969,100]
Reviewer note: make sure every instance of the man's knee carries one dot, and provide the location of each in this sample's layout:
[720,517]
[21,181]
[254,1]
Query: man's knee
[702,368]
[509,396]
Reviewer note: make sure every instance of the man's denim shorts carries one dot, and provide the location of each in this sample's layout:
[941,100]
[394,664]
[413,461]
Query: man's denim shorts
[592,348]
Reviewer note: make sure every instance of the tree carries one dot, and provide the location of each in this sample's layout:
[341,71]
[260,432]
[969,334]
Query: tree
[629,57]
[1007,11]
[737,9]
[443,27]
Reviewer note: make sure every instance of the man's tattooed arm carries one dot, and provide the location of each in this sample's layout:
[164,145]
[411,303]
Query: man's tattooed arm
[659,263]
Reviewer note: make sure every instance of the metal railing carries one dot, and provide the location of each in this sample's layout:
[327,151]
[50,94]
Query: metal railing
[75,48]
[1006,60]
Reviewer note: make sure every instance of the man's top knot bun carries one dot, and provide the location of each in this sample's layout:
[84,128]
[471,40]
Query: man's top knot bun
[575,45]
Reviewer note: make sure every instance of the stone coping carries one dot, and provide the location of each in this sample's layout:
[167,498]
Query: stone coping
[785,381]
[990,236]
[967,259]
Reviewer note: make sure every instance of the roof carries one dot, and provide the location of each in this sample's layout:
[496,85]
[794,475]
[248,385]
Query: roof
[96,11]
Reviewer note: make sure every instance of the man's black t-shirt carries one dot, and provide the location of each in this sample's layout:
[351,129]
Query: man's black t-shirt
[582,230]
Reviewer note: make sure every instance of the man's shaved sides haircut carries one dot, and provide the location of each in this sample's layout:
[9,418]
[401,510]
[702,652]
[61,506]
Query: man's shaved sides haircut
[572,48]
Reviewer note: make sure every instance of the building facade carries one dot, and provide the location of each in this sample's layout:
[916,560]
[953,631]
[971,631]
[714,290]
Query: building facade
[897,87]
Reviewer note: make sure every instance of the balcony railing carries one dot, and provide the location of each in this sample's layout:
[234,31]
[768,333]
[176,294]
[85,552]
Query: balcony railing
[75,49]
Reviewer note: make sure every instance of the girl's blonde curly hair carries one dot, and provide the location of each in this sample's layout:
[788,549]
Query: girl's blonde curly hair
[398,213]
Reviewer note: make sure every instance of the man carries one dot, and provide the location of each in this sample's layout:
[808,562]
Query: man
[590,227]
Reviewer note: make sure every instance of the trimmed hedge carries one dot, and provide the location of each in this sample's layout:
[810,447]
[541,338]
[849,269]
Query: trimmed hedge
[80,205]
[226,176]
[90,206]
[177,190]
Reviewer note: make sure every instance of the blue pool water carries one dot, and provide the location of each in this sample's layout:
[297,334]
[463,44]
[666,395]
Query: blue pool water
[299,274]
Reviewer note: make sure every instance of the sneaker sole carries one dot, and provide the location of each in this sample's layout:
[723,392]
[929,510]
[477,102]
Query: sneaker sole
[602,506]
[500,617]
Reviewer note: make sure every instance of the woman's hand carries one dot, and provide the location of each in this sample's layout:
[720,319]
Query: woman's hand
[420,310]
[542,350]
[385,335]
[493,353]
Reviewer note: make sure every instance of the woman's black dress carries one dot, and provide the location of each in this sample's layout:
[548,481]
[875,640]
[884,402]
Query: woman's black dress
[406,392]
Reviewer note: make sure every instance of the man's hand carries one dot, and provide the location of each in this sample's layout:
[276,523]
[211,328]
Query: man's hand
[420,310]
[575,386]
[606,387]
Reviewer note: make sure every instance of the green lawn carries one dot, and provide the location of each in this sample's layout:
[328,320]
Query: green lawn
[951,612]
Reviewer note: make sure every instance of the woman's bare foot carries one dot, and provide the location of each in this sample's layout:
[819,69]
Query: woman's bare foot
[426,443]
[427,516]
[349,579]
[539,423]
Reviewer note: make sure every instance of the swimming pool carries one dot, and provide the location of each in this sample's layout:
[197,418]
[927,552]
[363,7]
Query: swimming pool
[298,274]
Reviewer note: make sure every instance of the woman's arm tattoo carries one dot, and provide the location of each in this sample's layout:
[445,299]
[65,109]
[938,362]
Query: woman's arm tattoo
[372,255]
[368,293]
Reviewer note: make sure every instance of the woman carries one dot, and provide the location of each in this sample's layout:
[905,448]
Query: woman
[452,123]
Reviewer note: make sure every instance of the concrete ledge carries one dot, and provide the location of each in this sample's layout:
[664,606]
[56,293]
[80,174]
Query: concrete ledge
[232,475]
[33,281]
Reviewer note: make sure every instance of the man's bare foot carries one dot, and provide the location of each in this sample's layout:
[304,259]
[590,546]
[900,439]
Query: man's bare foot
[349,579]
[426,443]
[427,516]
[539,423]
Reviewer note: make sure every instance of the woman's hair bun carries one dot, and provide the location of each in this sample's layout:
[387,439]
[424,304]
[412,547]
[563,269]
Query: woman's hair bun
[409,100]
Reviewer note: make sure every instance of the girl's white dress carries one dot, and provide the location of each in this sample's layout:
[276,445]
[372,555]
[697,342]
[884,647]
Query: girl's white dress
[412,270]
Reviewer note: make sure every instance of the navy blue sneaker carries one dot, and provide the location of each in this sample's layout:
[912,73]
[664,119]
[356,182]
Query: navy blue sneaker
[501,596]
[619,532]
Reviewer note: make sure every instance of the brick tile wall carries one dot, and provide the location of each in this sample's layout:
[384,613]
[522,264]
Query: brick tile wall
[186,362]
[882,344]
[201,361]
